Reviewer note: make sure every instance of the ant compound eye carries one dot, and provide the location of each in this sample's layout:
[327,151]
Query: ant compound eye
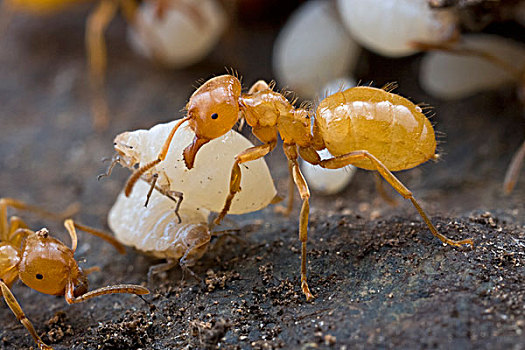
[214,116]
[39,276]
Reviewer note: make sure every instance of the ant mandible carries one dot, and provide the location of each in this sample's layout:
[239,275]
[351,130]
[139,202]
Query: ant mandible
[367,127]
[45,264]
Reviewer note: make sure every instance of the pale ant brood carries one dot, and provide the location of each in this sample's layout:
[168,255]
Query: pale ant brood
[367,127]
[45,264]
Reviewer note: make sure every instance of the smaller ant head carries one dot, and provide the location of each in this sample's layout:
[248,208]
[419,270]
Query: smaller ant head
[47,265]
[213,110]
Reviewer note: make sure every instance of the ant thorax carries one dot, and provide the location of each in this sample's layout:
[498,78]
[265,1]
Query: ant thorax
[268,108]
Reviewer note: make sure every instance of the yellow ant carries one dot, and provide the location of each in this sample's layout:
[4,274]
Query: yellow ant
[96,24]
[367,127]
[45,264]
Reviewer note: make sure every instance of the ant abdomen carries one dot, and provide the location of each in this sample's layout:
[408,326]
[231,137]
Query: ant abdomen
[389,126]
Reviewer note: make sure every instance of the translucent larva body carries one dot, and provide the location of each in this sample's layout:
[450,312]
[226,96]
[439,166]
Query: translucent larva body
[207,186]
[387,125]
[157,230]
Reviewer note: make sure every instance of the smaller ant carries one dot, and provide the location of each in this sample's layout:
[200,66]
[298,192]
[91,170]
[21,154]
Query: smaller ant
[45,264]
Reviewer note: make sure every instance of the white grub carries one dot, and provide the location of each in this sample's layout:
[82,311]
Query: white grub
[207,184]
[185,33]
[452,76]
[312,49]
[156,229]
[388,27]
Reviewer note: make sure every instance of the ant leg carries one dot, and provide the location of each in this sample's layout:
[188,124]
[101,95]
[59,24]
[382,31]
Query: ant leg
[97,23]
[291,189]
[511,176]
[19,313]
[70,227]
[120,288]
[162,155]
[349,158]
[20,205]
[249,154]
[114,161]
[291,153]
[153,182]
[156,269]
[92,269]
[103,235]
[382,191]
[15,223]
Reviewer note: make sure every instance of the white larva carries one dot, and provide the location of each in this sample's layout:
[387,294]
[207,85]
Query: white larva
[329,181]
[453,76]
[312,49]
[207,185]
[156,229]
[184,35]
[388,27]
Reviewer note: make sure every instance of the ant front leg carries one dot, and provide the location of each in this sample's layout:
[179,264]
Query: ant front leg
[19,313]
[252,153]
[291,153]
[161,156]
[349,158]
[71,225]
[120,288]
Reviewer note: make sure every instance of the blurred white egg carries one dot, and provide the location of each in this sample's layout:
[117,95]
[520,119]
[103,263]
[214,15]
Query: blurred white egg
[312,49]
[388,27]
[327,181]
[207,184]
[452,76]
[337,85]
[180,34]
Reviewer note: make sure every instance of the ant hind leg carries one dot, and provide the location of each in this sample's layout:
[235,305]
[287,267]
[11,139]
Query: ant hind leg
[349,158]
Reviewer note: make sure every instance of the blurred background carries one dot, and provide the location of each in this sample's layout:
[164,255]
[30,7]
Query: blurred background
[51,152]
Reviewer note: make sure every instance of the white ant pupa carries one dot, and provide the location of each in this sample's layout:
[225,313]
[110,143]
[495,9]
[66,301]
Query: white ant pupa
[206,186]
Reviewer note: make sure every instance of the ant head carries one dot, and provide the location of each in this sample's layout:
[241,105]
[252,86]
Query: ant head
[214,107]
[47,264]
[213,110]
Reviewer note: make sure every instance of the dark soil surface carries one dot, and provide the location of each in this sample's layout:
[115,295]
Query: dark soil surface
[381,280]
